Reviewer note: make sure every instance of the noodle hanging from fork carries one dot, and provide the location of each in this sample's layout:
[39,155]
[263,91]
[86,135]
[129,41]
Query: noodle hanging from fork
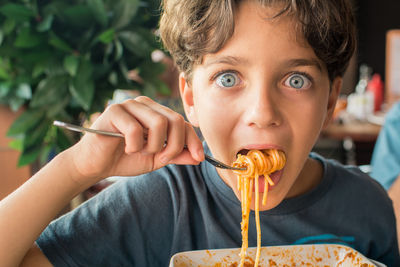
[257,163]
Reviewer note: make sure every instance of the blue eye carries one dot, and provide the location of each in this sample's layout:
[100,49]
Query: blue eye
[298,81]
[228,79]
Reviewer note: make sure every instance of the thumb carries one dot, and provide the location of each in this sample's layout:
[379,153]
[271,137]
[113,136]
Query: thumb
[184,158]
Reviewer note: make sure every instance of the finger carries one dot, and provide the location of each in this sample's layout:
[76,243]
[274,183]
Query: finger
[193,143]
[184,158]
[175,138]
[175,132]
[154,123]
[194,151]
[126,124]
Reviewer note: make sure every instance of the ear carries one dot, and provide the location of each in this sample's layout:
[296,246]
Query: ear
[336,86]
[186,92]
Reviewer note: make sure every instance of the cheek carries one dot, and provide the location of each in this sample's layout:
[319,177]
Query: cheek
[217,121]
[309,121]
[214,119]
[213,111]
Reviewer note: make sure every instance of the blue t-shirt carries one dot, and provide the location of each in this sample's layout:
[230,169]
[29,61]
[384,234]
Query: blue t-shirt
[385,162]
[144,220]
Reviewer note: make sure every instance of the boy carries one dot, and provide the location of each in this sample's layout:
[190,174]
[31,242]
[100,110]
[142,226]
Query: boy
[254,76]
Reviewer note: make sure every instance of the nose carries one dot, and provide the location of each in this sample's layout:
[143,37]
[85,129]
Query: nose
[264,109]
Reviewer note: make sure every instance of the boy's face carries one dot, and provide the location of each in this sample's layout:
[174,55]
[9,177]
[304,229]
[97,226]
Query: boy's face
[264,89]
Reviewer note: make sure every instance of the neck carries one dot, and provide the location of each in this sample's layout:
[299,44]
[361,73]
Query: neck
[309,177]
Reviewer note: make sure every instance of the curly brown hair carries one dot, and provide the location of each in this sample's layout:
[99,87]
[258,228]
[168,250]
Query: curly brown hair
[190,29]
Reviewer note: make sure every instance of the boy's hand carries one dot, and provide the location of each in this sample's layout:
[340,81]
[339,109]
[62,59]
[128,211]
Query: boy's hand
[154,137]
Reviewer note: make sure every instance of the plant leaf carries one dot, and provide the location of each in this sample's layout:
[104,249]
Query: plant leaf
[26,39]
[16,144]
[162,88]
[29,155]
[149,90]
[38,69]
[107,36]
[45,154]
[59,43]
[82,87]
[83,94]
[17,12]
[58,107]
[113,78]
[15,103]
[123,69]
[45,24]
[24,91]
[32,56]
[3,73]
[25,121]
[55,68]
[9,25]
[99,11]
[149,69]
[125,11]
[78,15]
[36,135]
[50,91]
[4,89]
[119,50]
[71,64]
[135,43]
[62,140]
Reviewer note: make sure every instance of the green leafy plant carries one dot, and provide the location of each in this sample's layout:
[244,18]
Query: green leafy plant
[63,59]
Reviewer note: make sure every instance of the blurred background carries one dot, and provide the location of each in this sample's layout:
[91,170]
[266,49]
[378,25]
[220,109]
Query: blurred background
[67,59]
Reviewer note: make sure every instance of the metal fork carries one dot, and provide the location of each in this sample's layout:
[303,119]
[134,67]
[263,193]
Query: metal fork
[81,129]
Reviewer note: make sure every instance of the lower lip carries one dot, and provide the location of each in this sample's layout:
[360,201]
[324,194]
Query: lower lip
[275,177]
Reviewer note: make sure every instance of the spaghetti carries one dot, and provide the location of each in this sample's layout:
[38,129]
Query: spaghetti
[256,163]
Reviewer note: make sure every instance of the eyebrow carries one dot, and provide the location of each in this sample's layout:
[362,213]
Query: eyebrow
[298,62]
[230,60]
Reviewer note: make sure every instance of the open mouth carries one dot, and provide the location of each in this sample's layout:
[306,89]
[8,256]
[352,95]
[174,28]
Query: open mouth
[242,152]
[272,174]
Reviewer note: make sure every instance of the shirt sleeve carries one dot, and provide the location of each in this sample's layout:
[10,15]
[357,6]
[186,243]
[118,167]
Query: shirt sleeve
[115,228]
[385,160]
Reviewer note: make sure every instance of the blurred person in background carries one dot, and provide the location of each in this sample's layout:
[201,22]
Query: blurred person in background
[385,160]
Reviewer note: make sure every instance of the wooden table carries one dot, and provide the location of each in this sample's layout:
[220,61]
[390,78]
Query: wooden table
[357,131]
[357,138]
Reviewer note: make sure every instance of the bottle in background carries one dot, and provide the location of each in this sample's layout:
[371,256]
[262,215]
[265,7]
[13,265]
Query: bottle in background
[375,86]
[361,103]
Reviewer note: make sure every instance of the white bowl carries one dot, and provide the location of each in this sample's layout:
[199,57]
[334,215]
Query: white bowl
[295,255]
